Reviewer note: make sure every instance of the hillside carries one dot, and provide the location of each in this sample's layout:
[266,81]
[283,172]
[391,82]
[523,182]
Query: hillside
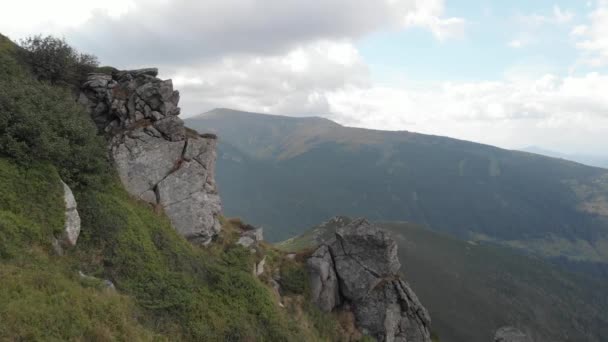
[120,270]
[286,174]
[473,289]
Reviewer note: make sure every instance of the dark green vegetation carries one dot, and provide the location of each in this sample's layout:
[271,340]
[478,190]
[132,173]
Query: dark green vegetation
[166,288]
[471,289]
[41,122]
[289,173]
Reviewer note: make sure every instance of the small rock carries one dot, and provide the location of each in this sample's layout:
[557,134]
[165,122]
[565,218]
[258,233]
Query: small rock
[246,241]
[510,334]
[71,229]
[258,268]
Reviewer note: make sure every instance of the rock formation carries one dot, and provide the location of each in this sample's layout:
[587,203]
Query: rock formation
[510,334]
[71,229]
[157,158]
[358,269]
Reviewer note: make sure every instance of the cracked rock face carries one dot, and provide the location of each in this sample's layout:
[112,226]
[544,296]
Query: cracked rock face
[359,267]
[157,160]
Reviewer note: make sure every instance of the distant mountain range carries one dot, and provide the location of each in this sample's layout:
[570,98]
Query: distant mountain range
[287,174]
[587,159]
[472,289]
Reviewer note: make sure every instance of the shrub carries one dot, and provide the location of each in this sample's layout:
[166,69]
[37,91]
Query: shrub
[40,122]
[52,59]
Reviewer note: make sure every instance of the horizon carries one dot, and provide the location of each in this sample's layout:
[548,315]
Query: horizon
[508,75]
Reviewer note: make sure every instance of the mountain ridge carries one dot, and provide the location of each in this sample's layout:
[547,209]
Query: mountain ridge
[538,204]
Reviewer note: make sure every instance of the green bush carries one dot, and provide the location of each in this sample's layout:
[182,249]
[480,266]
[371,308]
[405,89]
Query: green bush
[40,122]
[53,60]
[294,278]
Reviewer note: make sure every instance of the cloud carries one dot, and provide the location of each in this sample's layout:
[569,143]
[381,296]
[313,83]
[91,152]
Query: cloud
[556,16]
[296,83]
[516,43]
[429,14]
[183,31]
[593,38]
[549,110]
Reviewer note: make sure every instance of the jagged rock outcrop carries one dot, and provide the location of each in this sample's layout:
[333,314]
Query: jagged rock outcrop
[358,268]
[71,229]
[157,158]
[510,334]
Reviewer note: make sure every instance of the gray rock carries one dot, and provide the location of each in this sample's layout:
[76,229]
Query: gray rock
[258,268]
[172,128]
[510,334]
[363,255]
[71,229]
[246,241]
[323,280]
[155,160]
[363,258]
[107,284]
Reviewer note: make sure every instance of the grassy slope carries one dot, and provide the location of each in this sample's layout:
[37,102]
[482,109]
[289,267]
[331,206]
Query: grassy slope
[166,288]
[471,289]
[287,174]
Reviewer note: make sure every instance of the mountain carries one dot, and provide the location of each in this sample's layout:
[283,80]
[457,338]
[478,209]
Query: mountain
[587,159]
[472,289]
[286,174]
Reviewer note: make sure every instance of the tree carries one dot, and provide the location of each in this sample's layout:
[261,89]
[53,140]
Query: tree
[52,59]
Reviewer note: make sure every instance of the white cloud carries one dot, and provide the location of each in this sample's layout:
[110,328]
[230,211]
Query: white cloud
[186,31]
[429,14]
[516,44]
[594,36]
[549,110]
[556,16]
[295,83]
[26,17]
[562,16]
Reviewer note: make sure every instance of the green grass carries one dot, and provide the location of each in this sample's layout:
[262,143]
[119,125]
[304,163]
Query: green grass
[31,206]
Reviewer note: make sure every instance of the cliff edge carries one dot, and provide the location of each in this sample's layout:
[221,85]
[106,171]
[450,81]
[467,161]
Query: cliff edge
[158,160]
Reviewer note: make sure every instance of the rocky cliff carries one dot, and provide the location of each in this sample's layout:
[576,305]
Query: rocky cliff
[357,270]
[158,160]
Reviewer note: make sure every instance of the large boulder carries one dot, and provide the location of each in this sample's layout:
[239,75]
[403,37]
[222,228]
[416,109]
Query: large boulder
[158,160]
[359,267]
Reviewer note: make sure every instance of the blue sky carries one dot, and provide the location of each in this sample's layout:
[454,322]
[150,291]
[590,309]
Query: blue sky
[483,53]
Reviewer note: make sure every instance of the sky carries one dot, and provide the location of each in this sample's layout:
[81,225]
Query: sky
[508,73]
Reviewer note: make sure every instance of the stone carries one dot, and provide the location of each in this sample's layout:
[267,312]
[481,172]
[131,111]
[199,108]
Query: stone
[510,334]
[324,286]
[71,229]
[172,128]
[107,284]
[246,241]
[258,268]
[251,237]
[359,268]
[154,159]
[363,254]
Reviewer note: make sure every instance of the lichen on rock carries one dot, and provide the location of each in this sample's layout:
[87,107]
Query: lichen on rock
[157,159]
